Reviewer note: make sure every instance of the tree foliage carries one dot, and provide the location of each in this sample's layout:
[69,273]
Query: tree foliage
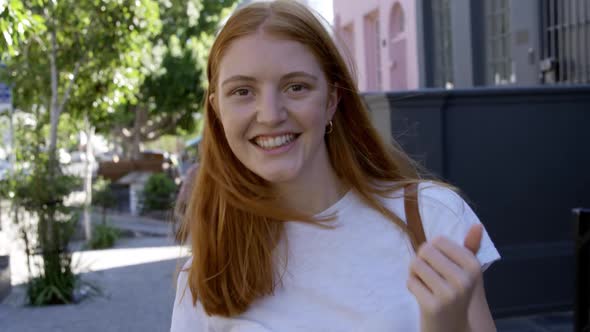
[17,23]
[173,91]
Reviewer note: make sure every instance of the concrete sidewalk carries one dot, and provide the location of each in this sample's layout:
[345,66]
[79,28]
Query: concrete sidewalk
[137,279]
[139,226]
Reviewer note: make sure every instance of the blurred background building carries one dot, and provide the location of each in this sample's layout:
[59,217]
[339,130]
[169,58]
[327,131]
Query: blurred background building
[409,44]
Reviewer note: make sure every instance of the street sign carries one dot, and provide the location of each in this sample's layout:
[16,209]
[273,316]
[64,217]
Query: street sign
[5,98]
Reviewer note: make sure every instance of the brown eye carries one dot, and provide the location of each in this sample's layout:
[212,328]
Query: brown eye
[296,87]
[242,92]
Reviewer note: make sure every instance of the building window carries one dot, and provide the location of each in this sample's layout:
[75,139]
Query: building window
[565,55]
[348,39]
[443,46]
[398,49]
[373,51]
[497,35]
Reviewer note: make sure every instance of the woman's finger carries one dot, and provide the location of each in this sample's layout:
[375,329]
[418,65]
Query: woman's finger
[446,268]
[430,278]
[421,292]
[458,254]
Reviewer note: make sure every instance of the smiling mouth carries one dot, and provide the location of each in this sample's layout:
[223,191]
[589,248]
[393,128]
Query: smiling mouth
[269,143]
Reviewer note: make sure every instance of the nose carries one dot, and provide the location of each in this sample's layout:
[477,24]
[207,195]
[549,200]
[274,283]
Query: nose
[270,110]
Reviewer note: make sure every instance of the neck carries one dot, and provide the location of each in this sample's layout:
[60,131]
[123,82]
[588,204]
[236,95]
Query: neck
[316,189]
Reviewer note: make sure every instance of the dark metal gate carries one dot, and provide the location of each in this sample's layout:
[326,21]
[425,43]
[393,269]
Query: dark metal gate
[522,157]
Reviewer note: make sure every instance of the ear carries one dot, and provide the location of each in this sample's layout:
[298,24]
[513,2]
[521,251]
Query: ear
[212,101]
[333,100]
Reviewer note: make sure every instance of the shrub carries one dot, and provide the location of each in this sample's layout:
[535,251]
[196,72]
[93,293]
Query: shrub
[103,236]
[159,192]
[56,285]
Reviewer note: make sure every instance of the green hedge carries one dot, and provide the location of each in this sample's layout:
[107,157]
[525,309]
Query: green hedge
[158,193]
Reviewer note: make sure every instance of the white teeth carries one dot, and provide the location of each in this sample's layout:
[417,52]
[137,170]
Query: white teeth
[274,142]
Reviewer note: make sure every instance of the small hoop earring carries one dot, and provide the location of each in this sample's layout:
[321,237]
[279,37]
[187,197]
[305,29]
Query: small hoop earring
[330,127]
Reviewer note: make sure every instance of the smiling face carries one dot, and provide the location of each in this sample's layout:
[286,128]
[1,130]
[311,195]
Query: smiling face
[274,102]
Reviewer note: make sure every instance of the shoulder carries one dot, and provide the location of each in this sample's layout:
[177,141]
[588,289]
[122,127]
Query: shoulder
[434,196]
[187,264]
[182,277]
[444,212]
[186,316]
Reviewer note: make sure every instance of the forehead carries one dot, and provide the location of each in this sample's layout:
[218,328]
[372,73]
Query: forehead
[262,54]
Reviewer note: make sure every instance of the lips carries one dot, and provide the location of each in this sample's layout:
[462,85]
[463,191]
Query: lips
[273,142]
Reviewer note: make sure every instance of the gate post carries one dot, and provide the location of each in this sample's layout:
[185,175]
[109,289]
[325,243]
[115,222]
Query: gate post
[582,255]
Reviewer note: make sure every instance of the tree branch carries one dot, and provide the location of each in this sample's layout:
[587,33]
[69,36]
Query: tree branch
[53,65]
[163,127]
[66,95]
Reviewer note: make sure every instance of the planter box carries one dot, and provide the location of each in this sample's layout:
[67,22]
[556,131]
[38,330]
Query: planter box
[4,277]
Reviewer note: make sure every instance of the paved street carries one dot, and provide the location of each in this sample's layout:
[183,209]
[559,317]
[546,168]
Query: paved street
[554,322]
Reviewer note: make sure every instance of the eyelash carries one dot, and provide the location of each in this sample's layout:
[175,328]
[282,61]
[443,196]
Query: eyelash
[235,92]
[303,86]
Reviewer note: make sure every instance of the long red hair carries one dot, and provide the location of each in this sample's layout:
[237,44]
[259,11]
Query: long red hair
[232,219]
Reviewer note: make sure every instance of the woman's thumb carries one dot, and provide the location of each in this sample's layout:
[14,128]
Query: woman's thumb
[473,238]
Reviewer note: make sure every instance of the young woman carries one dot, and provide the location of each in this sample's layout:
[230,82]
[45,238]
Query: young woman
[299,222]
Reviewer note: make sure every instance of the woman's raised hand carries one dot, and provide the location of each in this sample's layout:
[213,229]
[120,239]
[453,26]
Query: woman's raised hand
[442,278]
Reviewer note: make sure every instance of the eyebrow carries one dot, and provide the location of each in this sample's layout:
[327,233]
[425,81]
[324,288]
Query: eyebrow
[299,74]
[288,76]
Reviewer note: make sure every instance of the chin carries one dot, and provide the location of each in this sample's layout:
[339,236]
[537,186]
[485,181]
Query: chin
[277,177]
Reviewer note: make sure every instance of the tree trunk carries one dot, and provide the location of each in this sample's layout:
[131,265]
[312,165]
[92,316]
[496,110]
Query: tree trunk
[140,120]
[88,178]
[46,225]
[126,146]
[54,107]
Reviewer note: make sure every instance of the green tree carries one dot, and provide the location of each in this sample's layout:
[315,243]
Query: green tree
[86,57]
[173,91]
[36,189]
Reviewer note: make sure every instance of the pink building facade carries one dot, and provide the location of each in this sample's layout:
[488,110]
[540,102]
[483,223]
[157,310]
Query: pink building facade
[381,38]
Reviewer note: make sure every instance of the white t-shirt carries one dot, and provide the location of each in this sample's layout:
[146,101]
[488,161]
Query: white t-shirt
[351,278]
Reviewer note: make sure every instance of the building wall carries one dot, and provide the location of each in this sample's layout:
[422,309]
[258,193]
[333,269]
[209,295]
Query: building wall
[525,28]
[488,48]
[400,45]
[388,61]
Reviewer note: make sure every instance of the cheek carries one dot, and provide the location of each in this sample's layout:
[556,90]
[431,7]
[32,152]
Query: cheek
[235,125]
[315,114]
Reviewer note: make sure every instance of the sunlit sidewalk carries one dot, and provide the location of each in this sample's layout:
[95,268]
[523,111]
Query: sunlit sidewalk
[137,279]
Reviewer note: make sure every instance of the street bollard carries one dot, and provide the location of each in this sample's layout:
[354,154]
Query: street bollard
[5,286]
[582,286]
